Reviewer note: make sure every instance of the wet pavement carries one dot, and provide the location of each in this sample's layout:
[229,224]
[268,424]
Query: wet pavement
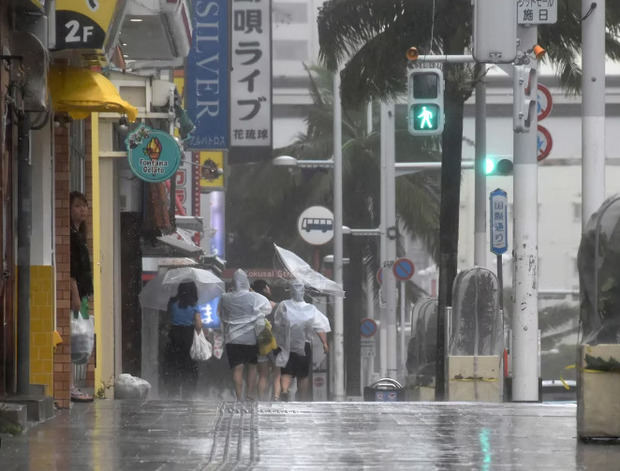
[158,435]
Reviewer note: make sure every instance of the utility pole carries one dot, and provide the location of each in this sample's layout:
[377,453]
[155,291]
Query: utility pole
[389,236]
[480,181]
[525,202]
[592,108]
[339,394]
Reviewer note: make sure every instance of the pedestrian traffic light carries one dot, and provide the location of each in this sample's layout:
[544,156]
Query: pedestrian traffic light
[524,87]
[425,102]
[497,166]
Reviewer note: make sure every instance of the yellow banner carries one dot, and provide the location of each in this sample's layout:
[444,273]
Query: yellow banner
[83,24]
[211,170]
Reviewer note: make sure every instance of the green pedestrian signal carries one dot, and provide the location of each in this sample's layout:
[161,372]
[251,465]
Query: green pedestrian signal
[425,101]
[425,117]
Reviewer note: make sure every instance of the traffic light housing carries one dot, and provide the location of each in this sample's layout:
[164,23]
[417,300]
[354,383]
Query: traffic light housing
[425,89]
[524,107]
[497,166]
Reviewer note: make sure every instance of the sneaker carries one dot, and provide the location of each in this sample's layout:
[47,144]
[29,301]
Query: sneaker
[80,396]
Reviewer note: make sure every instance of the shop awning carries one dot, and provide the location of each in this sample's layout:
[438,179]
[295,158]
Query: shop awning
[80,91]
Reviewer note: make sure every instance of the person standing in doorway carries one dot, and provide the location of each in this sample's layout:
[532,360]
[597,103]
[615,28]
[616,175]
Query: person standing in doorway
[242,313]
[81,272]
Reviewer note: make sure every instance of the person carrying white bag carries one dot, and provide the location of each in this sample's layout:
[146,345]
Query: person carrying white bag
[201,348]
[181,370]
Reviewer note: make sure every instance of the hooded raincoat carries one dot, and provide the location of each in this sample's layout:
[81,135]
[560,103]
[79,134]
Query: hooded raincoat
[243,312]
[295,321]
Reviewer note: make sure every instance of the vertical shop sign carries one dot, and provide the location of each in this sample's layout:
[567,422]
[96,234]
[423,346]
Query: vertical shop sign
[206,82]
[250,81]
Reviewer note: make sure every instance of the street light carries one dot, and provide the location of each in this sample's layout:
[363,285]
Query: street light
[288,161]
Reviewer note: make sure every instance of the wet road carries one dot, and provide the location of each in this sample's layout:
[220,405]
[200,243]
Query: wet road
[157,435]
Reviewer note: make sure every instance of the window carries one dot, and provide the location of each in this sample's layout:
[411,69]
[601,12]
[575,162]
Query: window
[292,50]
[290,13]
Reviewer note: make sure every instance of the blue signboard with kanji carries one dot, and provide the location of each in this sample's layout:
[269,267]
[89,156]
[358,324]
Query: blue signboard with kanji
[208,314]
[498,223]
[206,77]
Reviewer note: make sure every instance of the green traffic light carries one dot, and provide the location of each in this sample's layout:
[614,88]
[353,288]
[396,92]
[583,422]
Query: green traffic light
[425,116]
[497,166]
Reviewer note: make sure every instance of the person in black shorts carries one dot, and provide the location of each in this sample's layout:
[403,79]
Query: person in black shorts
[243,313]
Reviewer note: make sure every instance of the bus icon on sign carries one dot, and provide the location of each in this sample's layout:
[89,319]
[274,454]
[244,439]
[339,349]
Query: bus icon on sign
[317,224]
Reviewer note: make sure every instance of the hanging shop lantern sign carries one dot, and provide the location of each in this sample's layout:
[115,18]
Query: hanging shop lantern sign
[154,155]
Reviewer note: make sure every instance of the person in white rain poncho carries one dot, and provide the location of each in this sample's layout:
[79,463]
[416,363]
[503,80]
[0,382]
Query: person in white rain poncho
[242,313]
[295,322]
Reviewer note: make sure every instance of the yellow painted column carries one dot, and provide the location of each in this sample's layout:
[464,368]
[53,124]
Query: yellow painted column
[96,203]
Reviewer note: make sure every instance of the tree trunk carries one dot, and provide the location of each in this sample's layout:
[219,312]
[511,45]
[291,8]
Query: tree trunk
[448,217]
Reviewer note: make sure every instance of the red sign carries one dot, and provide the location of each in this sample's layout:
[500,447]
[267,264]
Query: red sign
[544,102]
[380,275]
[403,269]
[544,142]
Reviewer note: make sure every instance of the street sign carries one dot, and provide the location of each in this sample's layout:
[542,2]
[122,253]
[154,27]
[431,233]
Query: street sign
[537,12]
[545,103]
[403,269]
[499,221]
[368,327]
[316,225]
[495,31]
[367,347]
[544,143]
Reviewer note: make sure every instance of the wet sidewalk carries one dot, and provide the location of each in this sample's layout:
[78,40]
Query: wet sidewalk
[157,435]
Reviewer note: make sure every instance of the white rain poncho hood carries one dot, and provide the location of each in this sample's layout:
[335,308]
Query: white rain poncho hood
[295,322]
[243,311]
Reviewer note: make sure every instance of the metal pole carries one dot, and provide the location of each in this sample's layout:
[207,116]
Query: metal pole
[500,282]
[24,234]
[370,304]
[338,301]
[593,108]
[383,251]
[402,344]
[525,301]
[480,184]
[388,135]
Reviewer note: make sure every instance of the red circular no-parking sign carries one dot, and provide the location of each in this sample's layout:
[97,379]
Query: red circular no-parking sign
[544,143]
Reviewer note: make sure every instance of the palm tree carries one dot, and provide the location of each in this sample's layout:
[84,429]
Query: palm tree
[369,39]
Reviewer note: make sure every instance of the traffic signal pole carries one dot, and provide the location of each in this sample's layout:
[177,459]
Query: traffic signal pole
[525,347]
[593,108]
[480,182]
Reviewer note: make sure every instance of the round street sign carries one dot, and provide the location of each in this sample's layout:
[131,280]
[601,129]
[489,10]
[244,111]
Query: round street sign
[544,102]
[368,327]
[544,143]
[403,269]
[316,225]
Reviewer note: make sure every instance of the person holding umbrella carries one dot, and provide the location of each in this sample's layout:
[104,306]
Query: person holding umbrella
[182,372]
[242,313]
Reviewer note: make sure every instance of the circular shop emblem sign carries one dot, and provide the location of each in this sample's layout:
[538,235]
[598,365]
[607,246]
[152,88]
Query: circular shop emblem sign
[154,155]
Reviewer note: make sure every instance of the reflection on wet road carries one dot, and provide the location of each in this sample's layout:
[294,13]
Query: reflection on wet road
[157,435]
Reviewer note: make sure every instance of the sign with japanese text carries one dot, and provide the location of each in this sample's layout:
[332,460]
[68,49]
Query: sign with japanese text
[537,12]
[83,24]
[206,81]
[499,221]
[187,186]
[154,155]
[250,81]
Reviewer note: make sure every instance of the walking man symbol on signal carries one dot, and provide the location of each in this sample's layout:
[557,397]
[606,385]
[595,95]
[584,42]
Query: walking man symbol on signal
[426,116]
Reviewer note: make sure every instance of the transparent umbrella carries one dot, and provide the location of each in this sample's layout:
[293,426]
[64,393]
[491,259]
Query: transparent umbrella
[303,272]
[157,292]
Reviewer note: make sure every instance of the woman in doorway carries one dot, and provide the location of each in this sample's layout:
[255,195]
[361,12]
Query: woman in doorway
[81,271]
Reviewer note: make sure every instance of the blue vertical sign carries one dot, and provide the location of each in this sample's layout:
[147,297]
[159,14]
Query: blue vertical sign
[206,86]
[499,221]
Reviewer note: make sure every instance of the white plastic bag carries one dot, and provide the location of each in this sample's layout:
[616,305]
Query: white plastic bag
[82,338]
[131,387]
[201,348]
